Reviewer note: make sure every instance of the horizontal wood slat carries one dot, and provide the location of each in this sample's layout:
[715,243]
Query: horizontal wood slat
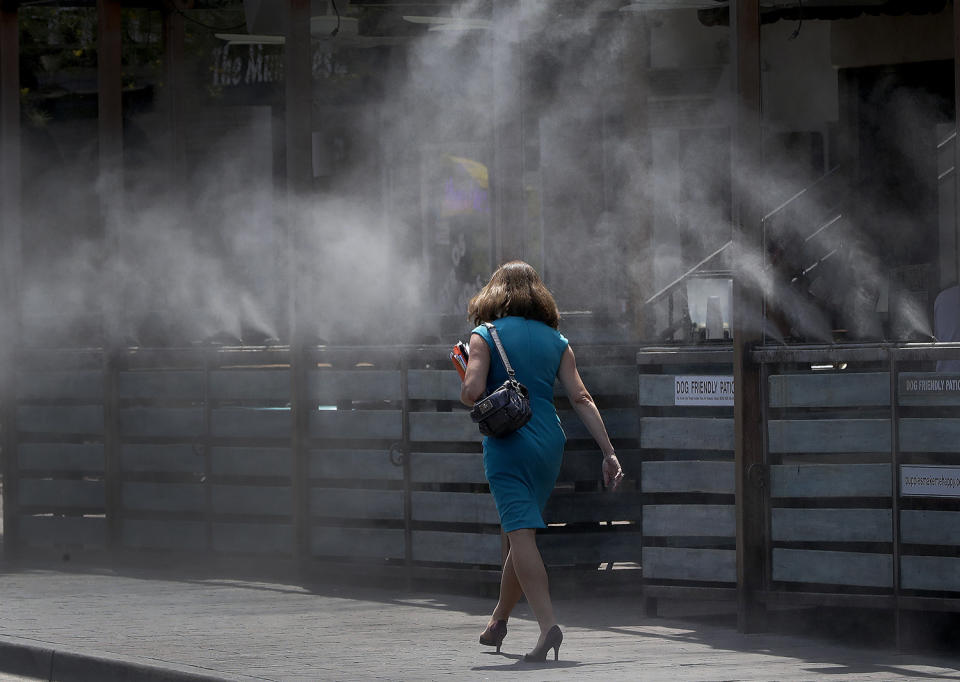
[43,531]
[689,520]
[85,457]
[579,548]
[830,480]
[930,527]
[246,461]
[688,477]
[832,525]
[608,380]
[164,497]
[656,390]
[453,507]
[691,358]
[61,385]
[356,503]
[458,548]
[329,386]
[585,465]
[164,422]
[930,573]
[686,433]
[850,389]
[355,464]
[829,435]
[161,385]
[681,563]
[174,458]
[172,535]
[357,543]
[832,568]
[585,507]
[252,500]
[620,423]
[433,384]
[447,427]
[253,538]
[930,435]
[80,419]
[441,467]
[378,424]
[250,384]
[59,494]
[250,423]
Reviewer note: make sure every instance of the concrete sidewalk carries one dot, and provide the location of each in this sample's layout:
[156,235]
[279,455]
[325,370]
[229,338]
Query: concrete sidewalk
[105,626]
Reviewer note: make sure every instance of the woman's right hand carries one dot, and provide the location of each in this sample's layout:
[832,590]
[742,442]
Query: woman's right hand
[612,473]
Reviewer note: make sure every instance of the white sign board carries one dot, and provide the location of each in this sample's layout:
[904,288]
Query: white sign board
[929,481]
[706,391]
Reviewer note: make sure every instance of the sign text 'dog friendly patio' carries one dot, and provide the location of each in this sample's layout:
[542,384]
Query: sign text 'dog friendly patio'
[706,391]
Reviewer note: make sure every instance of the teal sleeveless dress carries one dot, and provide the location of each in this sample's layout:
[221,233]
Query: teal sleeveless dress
[522,468]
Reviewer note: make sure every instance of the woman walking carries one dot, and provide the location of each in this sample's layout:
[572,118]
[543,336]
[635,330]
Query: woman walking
[523,466]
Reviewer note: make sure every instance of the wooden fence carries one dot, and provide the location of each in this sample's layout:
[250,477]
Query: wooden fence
[687,481]
[843,429]
[192,453]
[204,453]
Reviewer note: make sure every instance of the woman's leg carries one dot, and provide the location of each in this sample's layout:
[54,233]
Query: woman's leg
[510,591]
[532,576]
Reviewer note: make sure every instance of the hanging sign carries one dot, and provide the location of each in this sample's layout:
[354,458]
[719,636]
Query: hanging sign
[929,481]
[705,391]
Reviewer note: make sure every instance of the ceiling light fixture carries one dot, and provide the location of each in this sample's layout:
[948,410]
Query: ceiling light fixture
[653,5]
[449,23]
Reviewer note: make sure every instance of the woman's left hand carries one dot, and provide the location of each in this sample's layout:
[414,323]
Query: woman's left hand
[612,473]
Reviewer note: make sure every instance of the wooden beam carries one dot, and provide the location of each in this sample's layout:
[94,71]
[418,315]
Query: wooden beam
[110,85]
[638,240]
[110,131]
[298,123]
[299,98]
[10,180]
[956,139]
[110,138]
[10,245]
[174,94]
[506,180]
[748,315]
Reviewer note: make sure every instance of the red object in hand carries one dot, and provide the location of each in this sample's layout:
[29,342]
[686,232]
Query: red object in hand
[460,356]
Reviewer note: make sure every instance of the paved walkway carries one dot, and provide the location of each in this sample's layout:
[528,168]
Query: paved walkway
[155,627]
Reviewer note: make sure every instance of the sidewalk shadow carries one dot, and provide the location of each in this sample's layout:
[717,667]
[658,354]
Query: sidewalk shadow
[519,664]
[830,643]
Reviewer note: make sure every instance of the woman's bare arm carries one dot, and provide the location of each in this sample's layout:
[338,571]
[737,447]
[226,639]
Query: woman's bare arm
[475,379]
[586,409]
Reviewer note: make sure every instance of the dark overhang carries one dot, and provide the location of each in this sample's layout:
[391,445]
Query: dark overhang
[828,10]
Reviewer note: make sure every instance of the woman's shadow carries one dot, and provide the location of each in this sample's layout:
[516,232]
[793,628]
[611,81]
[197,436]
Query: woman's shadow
[517,663]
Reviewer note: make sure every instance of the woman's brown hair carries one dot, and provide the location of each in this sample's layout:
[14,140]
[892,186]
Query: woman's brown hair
[514,288]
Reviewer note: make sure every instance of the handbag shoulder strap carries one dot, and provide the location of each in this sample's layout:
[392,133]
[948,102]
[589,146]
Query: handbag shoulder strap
[503,353]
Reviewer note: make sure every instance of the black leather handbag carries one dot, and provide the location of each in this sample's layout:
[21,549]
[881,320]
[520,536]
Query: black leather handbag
[506,408]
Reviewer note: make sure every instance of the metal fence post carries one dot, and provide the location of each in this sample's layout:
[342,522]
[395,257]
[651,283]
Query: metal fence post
[764,479]
[407,483]
[111,448]
[895,488]
[204,451]
[10,233]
